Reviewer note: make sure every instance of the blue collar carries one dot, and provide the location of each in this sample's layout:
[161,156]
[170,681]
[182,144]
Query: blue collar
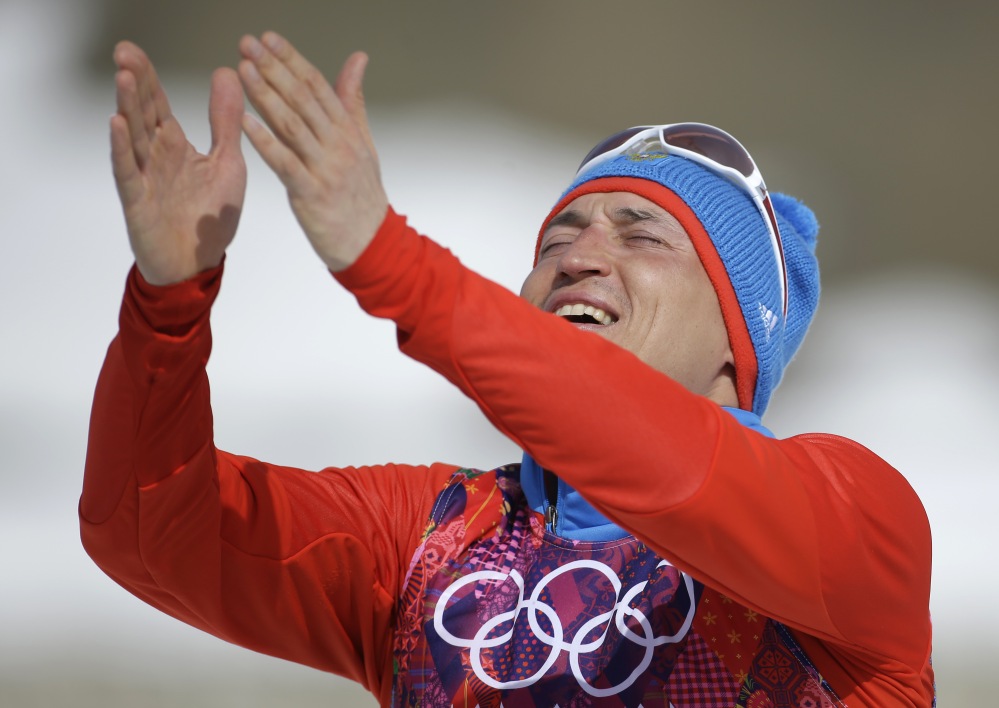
[576,518]
[749,420]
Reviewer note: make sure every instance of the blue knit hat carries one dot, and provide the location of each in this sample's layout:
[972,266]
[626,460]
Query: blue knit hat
[733,242]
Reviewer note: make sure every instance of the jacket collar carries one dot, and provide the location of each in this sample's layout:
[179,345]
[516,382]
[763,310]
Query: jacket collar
[577,519]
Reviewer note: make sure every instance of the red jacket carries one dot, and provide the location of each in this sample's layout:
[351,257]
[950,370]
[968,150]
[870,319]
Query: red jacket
[814,531]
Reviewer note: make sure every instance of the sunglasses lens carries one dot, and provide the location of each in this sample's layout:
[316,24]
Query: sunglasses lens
[612,143]
[706,140]
[714,144]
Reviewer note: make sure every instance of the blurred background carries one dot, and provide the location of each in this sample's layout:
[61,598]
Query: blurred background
[880,116]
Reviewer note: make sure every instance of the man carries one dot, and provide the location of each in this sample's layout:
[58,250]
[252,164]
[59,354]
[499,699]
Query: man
[656,545]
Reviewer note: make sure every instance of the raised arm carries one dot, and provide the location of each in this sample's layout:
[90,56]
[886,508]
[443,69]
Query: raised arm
[302,565]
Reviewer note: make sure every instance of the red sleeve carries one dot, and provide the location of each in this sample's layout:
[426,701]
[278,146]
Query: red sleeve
[815,531]
[302,565]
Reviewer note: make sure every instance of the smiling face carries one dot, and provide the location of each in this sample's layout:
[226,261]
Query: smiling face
[621,266]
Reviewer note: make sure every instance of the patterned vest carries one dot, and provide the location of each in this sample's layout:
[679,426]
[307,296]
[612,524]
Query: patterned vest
[496,611]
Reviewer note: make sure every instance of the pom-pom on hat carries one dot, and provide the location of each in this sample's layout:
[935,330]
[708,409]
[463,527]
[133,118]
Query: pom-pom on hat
[733,243]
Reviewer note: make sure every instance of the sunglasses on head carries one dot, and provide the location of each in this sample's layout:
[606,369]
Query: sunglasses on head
[708,146]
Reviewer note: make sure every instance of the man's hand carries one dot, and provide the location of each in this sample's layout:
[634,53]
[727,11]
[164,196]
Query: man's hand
[181,207]
[319,145]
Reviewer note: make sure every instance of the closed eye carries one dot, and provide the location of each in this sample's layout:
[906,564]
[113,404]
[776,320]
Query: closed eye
[645,240]
[554,247]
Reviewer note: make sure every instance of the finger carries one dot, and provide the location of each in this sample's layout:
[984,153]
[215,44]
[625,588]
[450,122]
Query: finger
[123,164]
[225,112]
[308,74]
[278,156]
[286,124]
[287,103]
[131,112]
[133,60]
[350,92]
[152,97]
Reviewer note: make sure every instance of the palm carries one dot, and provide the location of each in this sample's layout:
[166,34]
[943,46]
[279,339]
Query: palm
[181,207]
[186,206]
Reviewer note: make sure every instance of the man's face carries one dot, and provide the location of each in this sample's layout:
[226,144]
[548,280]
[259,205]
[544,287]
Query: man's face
[623,267]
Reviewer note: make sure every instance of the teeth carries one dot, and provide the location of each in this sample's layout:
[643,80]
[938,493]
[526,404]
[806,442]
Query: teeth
[581,309]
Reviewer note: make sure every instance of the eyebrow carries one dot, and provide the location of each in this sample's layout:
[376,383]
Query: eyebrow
[566,218]
[629,215]
[623,216]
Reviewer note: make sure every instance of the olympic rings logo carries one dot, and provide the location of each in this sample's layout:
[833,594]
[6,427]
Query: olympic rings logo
[616,616]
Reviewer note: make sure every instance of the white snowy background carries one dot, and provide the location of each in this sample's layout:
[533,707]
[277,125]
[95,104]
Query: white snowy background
[904,362]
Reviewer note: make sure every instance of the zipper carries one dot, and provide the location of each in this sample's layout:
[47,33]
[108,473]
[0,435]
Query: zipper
[551,518]
[551,500]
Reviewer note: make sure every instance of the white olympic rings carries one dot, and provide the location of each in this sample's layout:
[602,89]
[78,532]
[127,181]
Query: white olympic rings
[619,612]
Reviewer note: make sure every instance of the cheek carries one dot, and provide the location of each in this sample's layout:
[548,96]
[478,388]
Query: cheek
[684,300]
[535,288]
[698,290]
[708,312]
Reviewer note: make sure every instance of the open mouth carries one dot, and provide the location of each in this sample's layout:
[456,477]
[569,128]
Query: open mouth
[579,313]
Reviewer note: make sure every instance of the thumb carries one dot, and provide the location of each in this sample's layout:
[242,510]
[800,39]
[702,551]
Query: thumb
[225,111]
[350,90]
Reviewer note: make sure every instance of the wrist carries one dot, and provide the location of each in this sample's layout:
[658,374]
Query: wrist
[349,250]
[164,275]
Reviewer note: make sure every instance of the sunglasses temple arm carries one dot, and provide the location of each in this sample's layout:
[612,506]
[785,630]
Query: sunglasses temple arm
[770,220]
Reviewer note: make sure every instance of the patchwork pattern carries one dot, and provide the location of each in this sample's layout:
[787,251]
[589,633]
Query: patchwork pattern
[496,611]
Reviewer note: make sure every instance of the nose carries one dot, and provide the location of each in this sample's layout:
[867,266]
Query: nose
[587,255]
